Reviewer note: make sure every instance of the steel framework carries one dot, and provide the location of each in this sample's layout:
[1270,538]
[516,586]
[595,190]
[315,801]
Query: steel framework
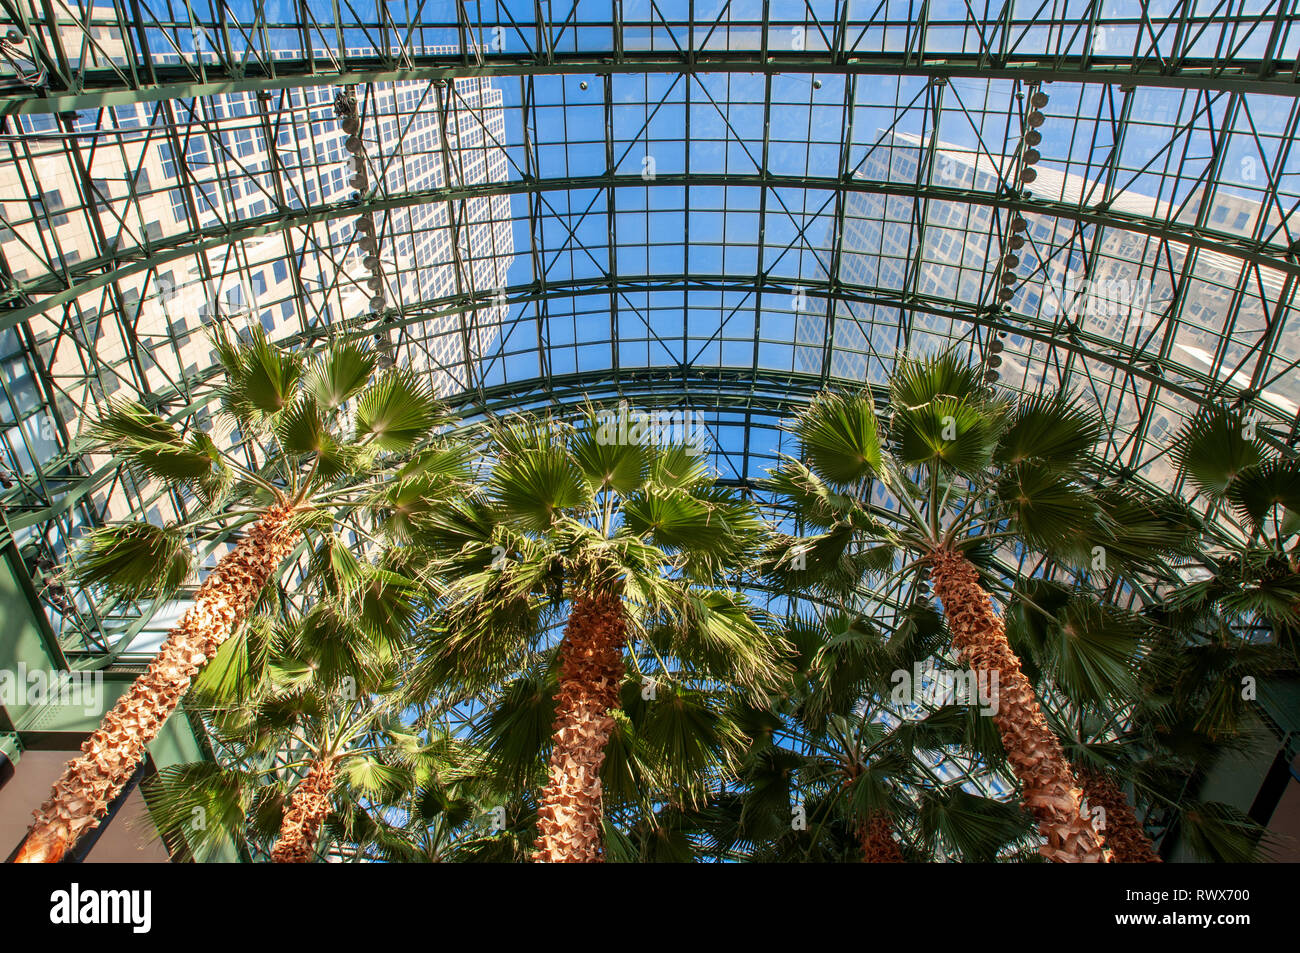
[726,207]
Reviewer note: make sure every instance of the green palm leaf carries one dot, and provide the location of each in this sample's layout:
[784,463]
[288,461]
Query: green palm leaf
[915,383]
[1091,652]
[337,375]
[128,423]
[374,778]
[976,828]
[269,375]
[237,667]
[1270,489]
[957,434]
[840,437]
[816,503]
[446,528]
[710,527]
[621,467]
[516,730]
[1049,429]
[134,560]
[1223,834]
[396,411]
[1212,450]
[678,466]
[716,633]
[201,805]
[1050,512]
[154,449]
[1138,527]
[535,481]
[690,737]
[388,605]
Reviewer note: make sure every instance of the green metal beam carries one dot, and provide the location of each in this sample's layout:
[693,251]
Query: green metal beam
[104,87]
[39,296]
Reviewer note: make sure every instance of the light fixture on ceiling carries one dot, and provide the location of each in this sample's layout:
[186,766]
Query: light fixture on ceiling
[366,236]
[1015,239]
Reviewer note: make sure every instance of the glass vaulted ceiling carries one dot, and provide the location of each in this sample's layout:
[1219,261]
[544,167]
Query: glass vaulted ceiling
[712,206]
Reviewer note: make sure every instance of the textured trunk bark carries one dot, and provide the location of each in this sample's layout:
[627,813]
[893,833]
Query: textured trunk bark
[1048,786]
[1125,835]
[90,781]
[308,808]
[591,669]
[876,835]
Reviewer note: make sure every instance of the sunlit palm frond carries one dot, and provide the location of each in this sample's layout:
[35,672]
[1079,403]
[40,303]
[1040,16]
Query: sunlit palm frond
[134,560]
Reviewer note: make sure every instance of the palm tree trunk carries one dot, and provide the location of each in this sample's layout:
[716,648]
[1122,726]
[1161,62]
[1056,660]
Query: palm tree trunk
[591,669]
[308,808]
[91,781]
[876,835]
[1125,834]
[1048,786]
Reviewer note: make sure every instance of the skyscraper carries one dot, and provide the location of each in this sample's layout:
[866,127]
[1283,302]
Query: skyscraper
[239,165]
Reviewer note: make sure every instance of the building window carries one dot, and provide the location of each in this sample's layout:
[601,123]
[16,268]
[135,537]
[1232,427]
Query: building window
[168,160]
[102,194]
[51,203]
[196,151]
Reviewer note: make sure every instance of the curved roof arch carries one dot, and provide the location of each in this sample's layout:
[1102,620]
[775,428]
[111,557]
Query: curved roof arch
[726,206]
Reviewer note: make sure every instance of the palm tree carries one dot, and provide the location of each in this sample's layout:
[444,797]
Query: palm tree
[862,768]
[1084,656]
[1254,579]
[321,425]
[310,697]
[1144,702]
[849,763]
[961,474]
[631,543]
[334,707]
[1125,834]
[1233,618]
[877,837]
[294,764]
[1193,714]
[670,751]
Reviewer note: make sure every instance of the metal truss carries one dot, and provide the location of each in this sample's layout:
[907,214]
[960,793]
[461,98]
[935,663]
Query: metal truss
[749,269]
[178,49]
